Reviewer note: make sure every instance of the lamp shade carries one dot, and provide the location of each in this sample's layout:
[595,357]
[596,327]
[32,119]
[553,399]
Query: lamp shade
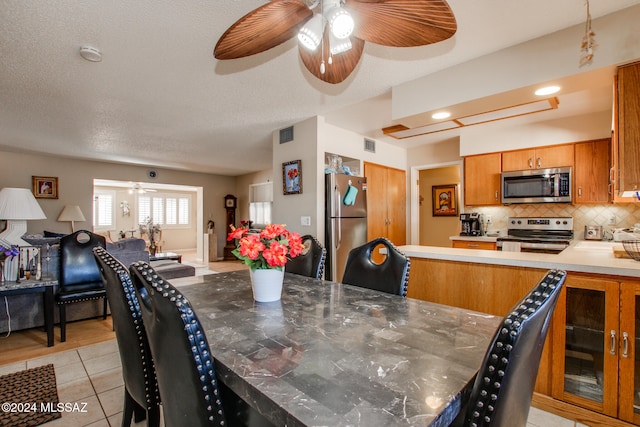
[19,204]
[71,213]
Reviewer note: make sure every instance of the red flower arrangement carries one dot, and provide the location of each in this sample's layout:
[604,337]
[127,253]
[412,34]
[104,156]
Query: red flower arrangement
[269,249]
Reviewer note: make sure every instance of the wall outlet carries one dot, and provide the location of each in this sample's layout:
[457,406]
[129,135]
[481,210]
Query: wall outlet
[613,220]
[305,220]
[488,219]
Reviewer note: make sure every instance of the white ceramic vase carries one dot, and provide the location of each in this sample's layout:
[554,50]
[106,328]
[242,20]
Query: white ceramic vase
[267,284]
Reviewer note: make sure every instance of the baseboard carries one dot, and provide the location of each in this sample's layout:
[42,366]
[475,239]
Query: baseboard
[575,413]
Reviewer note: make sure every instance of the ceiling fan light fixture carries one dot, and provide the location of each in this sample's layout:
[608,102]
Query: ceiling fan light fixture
[337,45]
[310,34]
[340,22]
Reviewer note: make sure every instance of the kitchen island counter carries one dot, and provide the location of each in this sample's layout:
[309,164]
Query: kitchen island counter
[581,256]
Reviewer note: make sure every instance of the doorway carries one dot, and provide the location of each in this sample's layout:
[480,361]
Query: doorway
[178,209]
[427,229]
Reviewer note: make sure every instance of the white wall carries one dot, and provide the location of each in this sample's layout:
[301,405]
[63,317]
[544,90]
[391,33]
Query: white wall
[512,134]
[312,139]
[287,209]
[549,57]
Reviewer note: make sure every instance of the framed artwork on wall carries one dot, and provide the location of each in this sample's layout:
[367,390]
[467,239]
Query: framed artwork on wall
[445,200]
[292,177]
[45,187]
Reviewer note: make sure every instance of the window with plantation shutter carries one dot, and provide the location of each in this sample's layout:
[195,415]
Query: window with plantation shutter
[171,213]
[144,209]
[184,210]
[157,209]
[166,209]
[103,210]
[260,204]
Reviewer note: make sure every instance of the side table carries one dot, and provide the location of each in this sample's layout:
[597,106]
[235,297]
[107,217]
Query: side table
[45,287]
[163,256]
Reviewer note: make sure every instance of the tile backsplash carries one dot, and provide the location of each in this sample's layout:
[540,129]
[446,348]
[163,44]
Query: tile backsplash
[626,215]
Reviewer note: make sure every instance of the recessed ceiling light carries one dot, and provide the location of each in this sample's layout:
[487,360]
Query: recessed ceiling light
[548,90]
[90,54]
[441,115]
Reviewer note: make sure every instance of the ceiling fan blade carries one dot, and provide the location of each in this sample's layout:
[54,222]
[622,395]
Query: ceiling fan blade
[402,23]
[343,63]
[263,28]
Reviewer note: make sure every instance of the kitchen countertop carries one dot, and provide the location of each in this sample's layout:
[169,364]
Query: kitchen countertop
[581,256]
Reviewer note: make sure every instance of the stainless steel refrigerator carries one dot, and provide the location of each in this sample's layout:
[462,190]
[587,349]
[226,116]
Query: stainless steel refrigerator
[345,220]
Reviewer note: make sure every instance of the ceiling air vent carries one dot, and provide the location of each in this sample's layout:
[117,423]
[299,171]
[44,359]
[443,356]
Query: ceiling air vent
[286,135]
[369,145]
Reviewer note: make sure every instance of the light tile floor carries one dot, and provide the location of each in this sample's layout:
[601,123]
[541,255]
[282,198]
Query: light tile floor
[92,375]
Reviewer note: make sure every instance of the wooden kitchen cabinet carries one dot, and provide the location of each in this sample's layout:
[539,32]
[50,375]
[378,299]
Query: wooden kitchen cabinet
[482,179]
[626,138]
[470,244]
[386,203]
[594,357]
[591,172]
[538,158]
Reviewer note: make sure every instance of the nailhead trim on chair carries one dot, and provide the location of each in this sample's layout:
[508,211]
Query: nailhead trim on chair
[152,396]
[77,300]
[499,360]
[405,284]
[196,337]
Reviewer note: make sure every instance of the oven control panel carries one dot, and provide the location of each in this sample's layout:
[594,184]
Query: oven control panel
[541,223]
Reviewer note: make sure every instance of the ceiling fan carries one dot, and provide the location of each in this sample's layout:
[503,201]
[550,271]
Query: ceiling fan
[332,33]
[137,188]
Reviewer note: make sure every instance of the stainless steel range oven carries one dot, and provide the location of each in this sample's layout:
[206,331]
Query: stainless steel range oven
[537,234]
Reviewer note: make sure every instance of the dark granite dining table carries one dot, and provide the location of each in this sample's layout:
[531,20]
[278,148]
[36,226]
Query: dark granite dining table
[329,354]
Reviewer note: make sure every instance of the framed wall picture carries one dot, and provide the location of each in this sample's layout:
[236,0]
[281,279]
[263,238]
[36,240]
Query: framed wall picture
[292,177]
[45,187]
[445,200]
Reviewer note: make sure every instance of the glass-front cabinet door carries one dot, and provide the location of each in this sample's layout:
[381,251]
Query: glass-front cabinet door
[586,344]
[629,357]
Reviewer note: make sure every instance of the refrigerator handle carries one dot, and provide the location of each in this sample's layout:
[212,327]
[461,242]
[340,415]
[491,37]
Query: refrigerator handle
[337,201]
[339,206]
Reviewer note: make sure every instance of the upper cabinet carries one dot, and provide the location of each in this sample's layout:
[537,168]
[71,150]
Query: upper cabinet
[591,173]
[482,180]
[625,172]
[538,158]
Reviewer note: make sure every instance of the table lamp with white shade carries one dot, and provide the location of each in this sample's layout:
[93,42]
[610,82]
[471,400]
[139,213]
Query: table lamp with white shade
[71,213]
[17,205]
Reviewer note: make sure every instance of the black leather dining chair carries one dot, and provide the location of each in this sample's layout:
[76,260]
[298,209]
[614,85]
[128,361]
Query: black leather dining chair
[391,275]
[79,277]
[502,391]
[191,393]
[141,394]
[311,262]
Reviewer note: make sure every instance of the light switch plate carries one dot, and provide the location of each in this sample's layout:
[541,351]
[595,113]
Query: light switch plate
[305,220]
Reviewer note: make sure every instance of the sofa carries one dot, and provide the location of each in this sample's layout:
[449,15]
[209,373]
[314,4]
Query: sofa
[26,311]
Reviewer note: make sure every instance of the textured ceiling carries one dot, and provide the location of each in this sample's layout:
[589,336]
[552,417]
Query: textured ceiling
[160,98]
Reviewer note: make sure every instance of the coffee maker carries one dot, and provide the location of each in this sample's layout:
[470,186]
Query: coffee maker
[470,224]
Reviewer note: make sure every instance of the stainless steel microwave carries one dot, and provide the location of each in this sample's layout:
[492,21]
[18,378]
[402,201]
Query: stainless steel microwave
[537,186]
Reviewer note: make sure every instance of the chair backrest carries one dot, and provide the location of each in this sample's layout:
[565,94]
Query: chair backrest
[311,262]
[77,263]
[391,276]
[184,366]
[138,370]
[502,391]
